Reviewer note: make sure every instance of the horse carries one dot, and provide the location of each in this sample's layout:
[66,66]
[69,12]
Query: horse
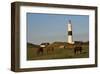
[77,49]
[40,51]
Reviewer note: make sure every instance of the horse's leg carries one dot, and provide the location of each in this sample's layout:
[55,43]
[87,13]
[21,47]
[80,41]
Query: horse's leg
[51,49]
[38,51]
[78,51]
[75,51]
[81,50]
[42,51]
[47,50]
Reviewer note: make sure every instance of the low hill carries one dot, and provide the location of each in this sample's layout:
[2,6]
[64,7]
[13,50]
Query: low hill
[57,44]
[30,45]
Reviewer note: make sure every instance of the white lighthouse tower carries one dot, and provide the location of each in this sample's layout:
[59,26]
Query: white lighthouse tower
[70,36]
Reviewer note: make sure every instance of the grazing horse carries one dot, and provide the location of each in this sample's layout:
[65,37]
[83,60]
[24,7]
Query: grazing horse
[77,49]
[40,51]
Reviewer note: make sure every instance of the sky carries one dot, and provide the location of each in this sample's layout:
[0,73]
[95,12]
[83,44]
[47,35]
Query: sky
[53,27]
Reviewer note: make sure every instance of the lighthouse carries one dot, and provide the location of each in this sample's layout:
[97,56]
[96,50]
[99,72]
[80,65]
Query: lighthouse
[70,36]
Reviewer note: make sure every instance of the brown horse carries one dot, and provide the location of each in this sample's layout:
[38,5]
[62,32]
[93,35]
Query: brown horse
[40,51]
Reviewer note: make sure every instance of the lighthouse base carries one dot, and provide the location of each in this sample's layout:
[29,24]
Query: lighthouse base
[69,46]
[71,42]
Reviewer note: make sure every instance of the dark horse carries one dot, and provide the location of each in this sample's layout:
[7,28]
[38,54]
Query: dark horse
[40,51]
[77,49]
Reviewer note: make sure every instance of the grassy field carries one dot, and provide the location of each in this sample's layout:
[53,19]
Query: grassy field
[58,53]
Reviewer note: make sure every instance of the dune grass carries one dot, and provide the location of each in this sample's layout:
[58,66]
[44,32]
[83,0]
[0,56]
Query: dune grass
[58,53]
